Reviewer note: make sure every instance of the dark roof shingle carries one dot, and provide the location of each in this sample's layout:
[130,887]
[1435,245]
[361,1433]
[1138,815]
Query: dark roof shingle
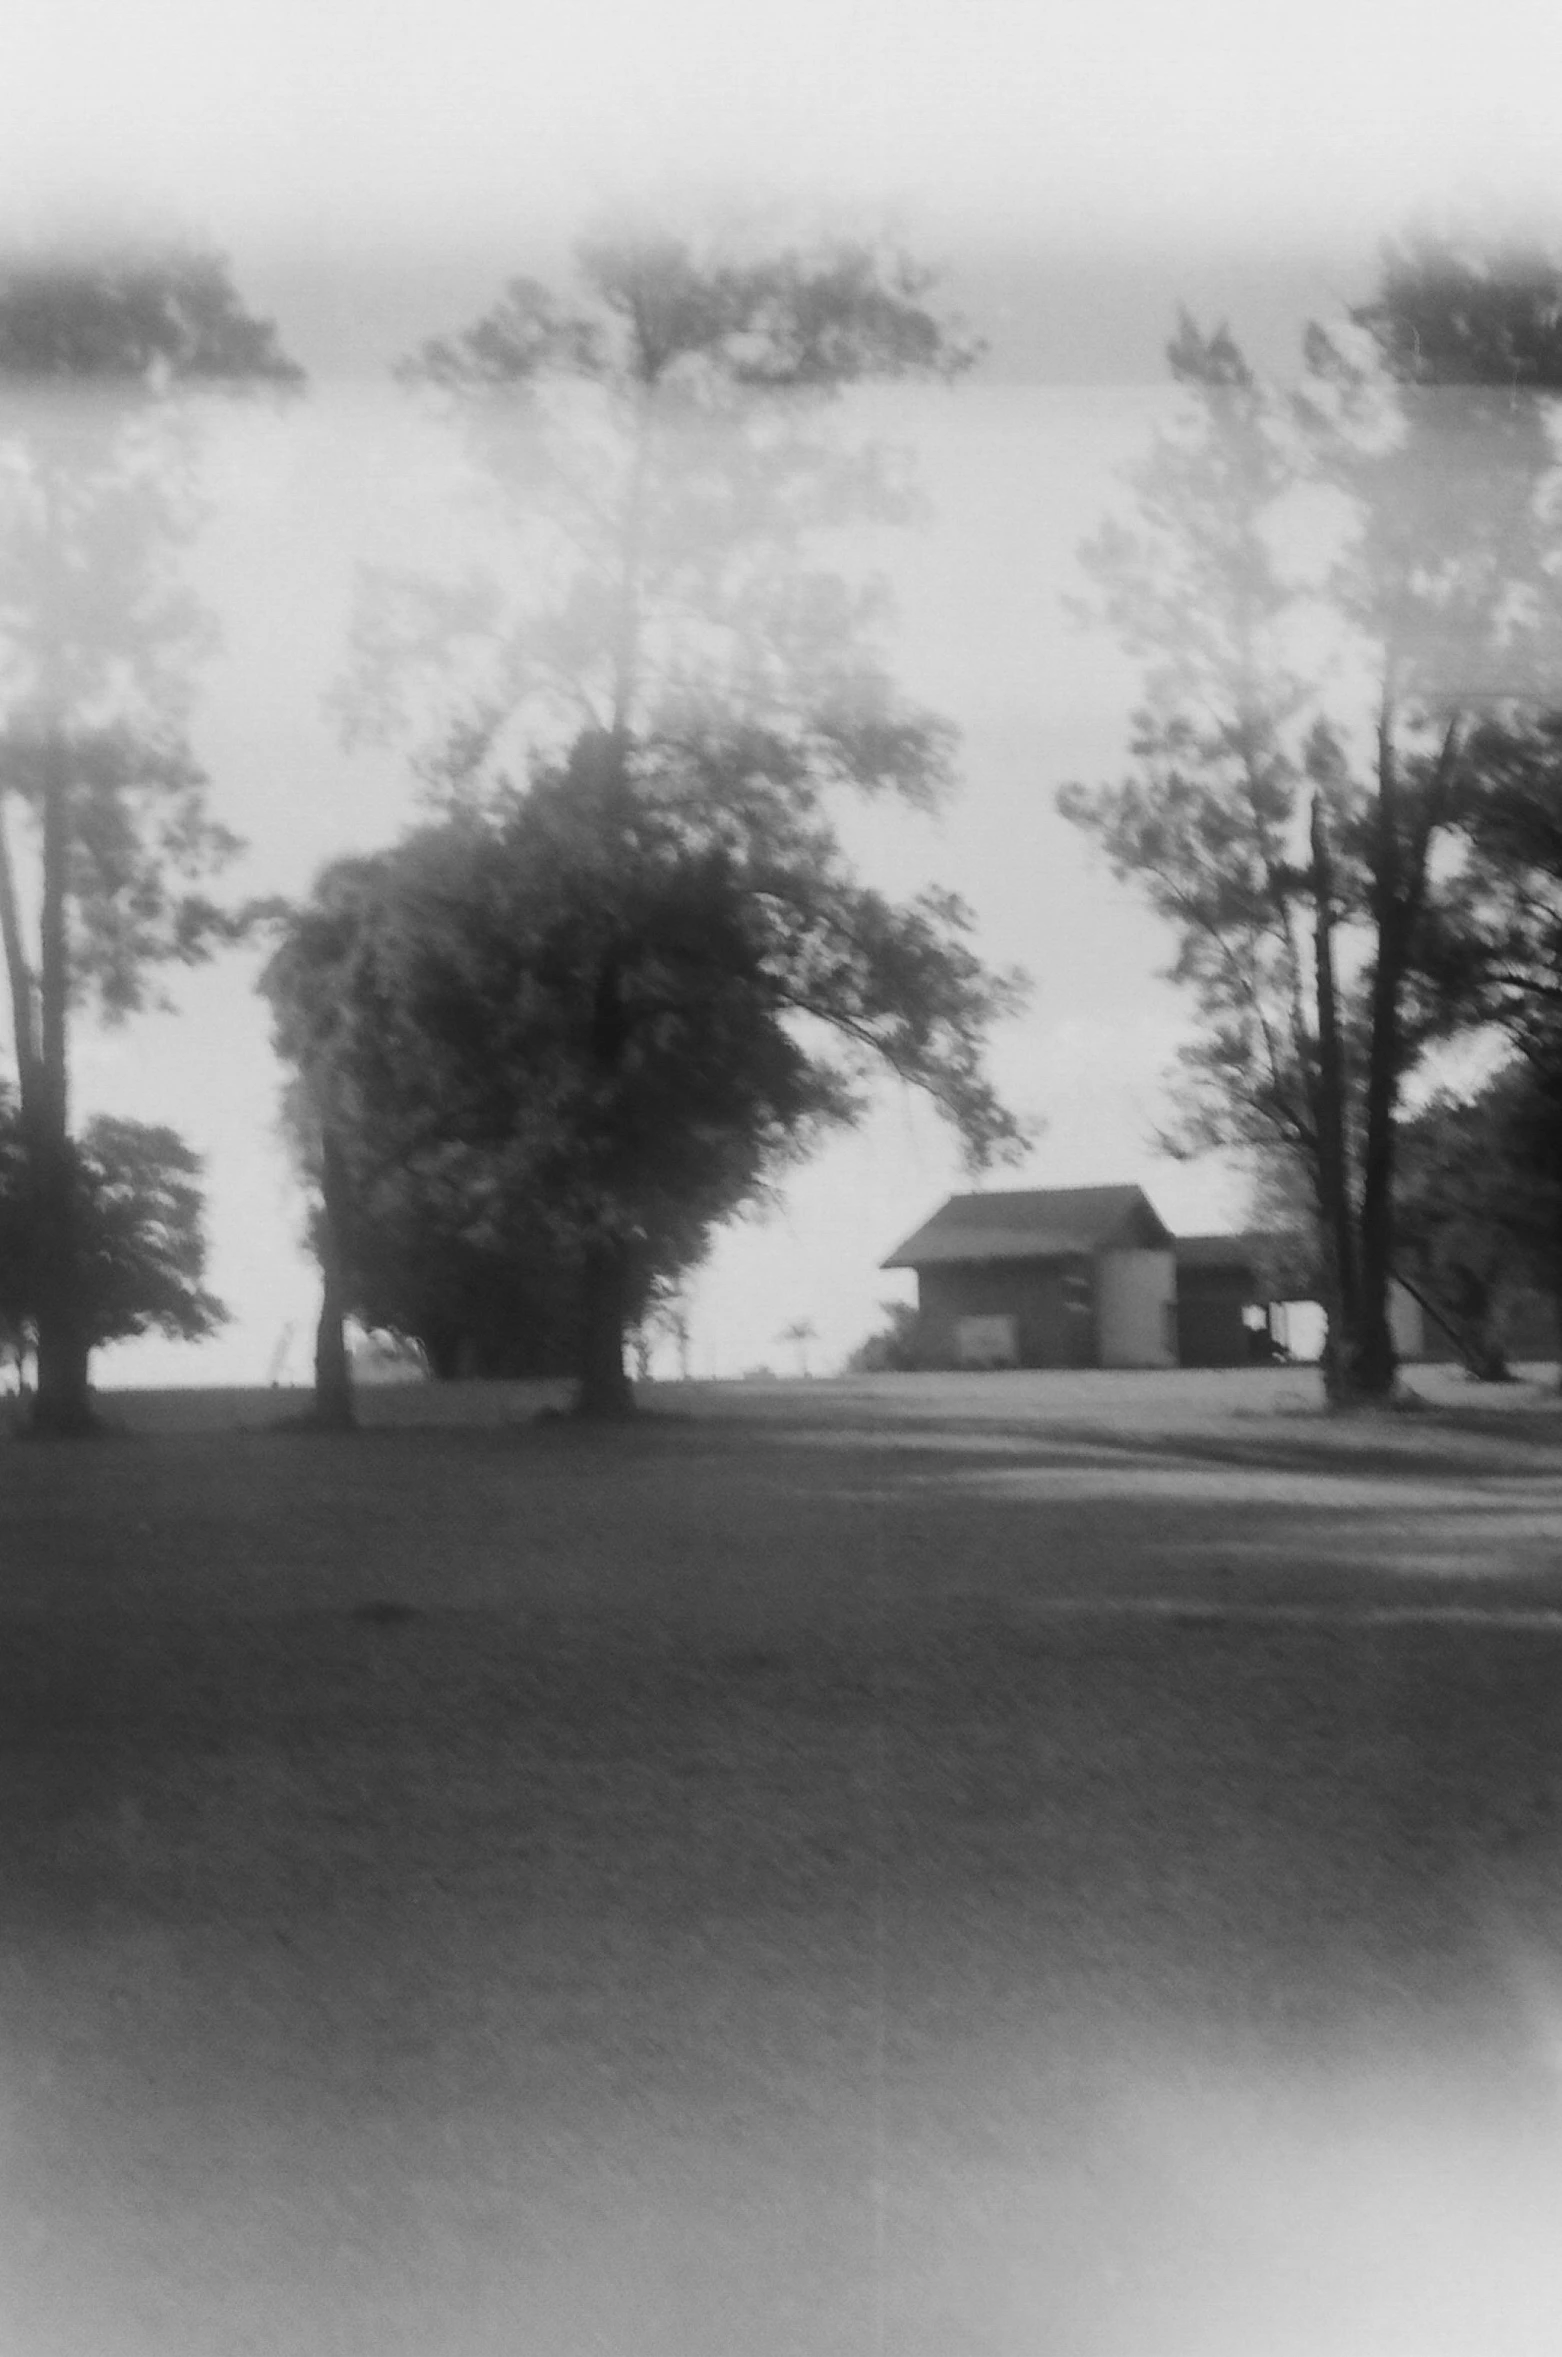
[1041,1223]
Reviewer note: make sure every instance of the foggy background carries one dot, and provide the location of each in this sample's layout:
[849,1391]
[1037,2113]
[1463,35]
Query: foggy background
[1074,174]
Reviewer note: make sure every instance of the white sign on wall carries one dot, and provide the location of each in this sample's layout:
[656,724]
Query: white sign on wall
[987,1342]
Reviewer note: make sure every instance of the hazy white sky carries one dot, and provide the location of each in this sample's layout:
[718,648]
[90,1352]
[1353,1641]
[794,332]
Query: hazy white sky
[374,168]
[409,119]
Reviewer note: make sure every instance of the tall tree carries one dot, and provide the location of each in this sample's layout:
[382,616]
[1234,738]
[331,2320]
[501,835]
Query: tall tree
[752,991]
[1285,814]
[665,460]
[101,358]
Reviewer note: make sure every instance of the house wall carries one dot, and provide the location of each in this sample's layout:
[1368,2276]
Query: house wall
[1136,1314]
[1210,1302]
[1415,1336]
[1143,1231]
[1052,1303]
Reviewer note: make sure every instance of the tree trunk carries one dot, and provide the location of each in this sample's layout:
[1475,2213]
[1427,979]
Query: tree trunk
[1342,1306]
[1374,1369]
[334,1409]
[603,1391]
[1375,1365]
[63,1404]
[19,976]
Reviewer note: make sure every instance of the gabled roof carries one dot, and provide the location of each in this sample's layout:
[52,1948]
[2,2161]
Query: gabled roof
[1041,1223]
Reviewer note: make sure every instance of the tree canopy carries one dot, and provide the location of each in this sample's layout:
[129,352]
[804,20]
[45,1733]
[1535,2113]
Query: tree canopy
[450,1000]
[654,684]
[661,454]
[1329,594]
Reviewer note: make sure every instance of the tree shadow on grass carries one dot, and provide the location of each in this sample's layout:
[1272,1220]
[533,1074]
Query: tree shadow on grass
[1390,1445]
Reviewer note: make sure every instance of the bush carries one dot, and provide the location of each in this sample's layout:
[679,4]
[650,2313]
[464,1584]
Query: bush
[893,1349]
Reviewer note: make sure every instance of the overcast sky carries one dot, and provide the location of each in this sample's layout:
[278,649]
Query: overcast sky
[1076,171]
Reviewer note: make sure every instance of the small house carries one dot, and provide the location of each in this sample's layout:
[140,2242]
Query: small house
[1048,1277]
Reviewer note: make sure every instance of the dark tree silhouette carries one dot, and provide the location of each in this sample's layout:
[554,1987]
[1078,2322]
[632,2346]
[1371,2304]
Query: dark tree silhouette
[448,1001]
[1293,842]
[665,458]
[140,1240]
[100,359]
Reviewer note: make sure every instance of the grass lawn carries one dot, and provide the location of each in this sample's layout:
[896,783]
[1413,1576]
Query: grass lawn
[838,1869]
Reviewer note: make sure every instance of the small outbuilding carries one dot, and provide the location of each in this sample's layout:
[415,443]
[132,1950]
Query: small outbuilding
[1093,1277]
[1048,1277]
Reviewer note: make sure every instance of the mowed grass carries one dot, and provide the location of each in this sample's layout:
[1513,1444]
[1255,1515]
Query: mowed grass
[806,1877]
